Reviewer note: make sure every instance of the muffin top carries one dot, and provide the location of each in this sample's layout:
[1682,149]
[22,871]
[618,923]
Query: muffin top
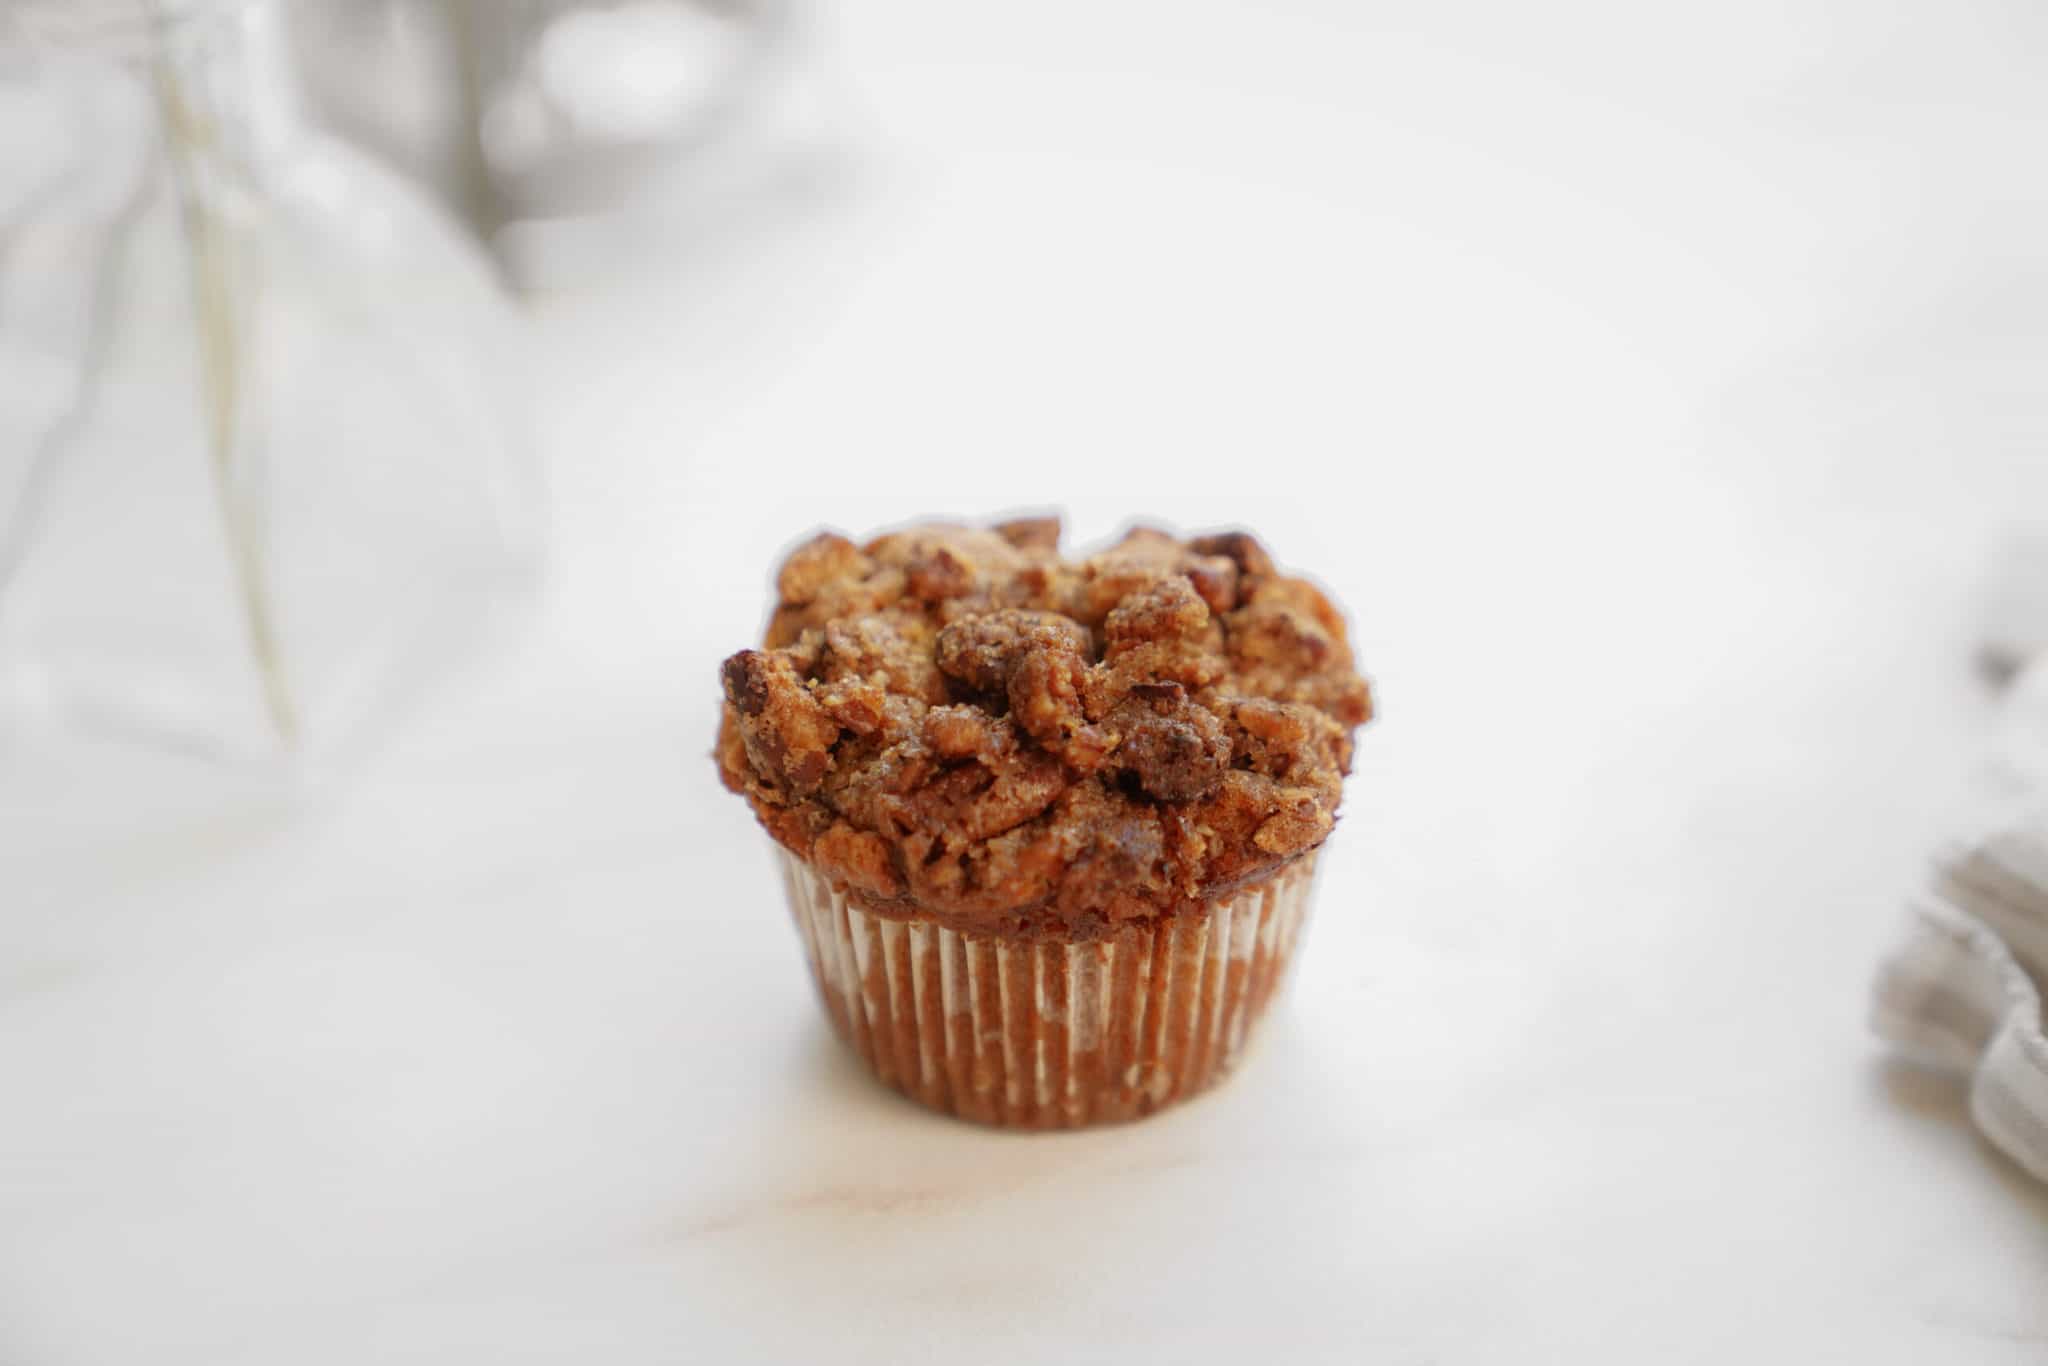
[959,722]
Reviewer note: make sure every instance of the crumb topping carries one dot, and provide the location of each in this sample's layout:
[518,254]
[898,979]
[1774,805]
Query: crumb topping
[960,722]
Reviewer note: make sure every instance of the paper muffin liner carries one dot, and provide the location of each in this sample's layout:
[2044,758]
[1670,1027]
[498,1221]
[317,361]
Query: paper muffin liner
[1044,1033]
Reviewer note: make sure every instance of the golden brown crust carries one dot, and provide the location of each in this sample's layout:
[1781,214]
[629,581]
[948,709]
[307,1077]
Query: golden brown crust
[958,722]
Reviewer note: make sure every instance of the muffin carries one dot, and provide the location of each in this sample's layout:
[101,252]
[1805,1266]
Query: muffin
[1048,827]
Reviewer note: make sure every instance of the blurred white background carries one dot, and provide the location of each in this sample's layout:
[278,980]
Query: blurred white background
[1651,384]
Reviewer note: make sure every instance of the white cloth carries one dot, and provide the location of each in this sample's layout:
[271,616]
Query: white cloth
[1956,993]
[1962,990]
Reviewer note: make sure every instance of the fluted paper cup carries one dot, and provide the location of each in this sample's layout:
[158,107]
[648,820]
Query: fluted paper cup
[1048,1033]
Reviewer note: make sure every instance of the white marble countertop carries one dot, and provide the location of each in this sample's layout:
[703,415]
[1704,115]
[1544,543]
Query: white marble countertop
[1650,387]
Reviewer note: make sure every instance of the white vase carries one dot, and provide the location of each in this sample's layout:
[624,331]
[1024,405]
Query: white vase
[263,474]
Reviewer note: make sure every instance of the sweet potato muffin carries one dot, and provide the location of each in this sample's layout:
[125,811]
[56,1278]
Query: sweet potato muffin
[1048,826]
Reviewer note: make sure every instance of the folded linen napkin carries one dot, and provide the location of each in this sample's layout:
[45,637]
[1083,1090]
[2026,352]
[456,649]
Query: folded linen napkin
[1962,989]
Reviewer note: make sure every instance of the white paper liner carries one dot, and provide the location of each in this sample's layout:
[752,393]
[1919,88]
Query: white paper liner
[1044,1034]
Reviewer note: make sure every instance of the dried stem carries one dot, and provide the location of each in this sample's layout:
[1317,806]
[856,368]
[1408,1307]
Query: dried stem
[186,137]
